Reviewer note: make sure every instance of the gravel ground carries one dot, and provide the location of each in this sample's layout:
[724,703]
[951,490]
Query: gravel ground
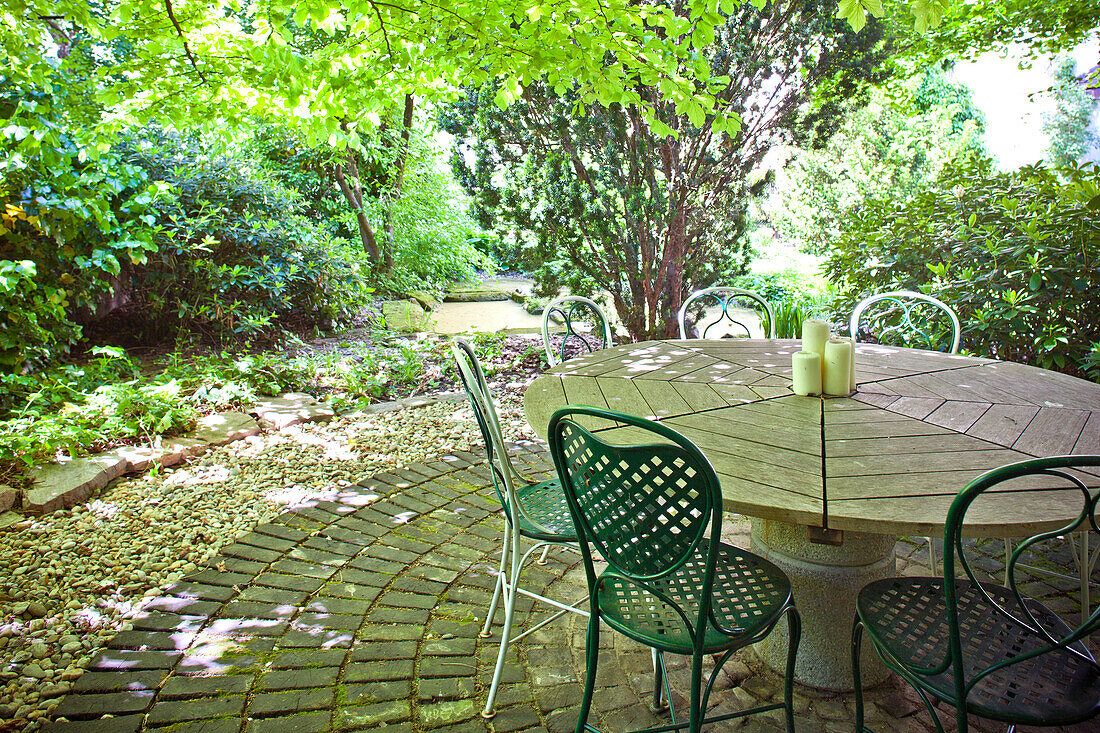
[73,578]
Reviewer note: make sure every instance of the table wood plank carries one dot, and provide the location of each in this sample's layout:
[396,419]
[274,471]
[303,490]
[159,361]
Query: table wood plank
[882,429]
[621,395]
[1053,431]
[1003,424]
[757,500]
[662,369]
[917,407]
[735,394]
[802,410]
[959,416]
[701,397]
[540,399]
[882,401]
[734,375]
[906,445]
[662,397]
[722,423]
[1088,443]
[870,466]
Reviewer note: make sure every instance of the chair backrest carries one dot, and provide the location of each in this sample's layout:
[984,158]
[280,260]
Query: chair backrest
[1032,481]
[504,474]
[645,508]
[732,302]
[908,316]
[573,311]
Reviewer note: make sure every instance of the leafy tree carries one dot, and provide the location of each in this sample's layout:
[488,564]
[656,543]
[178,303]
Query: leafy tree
[1070,124]
[650,209]
[890,148]
[1016,254]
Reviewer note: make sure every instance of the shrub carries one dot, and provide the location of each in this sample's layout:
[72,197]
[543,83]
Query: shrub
[1016,254]
[234,252]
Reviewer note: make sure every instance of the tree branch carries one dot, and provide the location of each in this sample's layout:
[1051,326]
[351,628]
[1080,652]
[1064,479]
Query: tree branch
[186,46]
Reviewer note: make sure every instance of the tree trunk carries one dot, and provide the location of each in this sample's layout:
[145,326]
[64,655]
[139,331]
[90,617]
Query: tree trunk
[394,193]
[353,194]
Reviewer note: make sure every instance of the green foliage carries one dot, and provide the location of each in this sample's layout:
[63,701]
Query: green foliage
[777,286]
[235,254]
[1016,254]
[968,29]
[434,234]
[79,408]
[888,149]
[33,322]
[157,222]
[651,209]
[789,315]
[1070,124]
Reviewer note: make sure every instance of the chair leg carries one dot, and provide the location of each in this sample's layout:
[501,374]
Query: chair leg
[542,557]
[794,636]
[591,661]
[510,583]
[658,680]
[857,643]
[932,557]
[695,713]
[486,629]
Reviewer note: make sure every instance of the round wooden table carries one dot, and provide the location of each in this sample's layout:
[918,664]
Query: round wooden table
[831,483]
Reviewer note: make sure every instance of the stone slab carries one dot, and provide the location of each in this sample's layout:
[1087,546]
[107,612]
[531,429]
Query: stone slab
[7,519]
[8,495]
[62,485]
[292,408]
[474,295]
[426,300]
[225,427]
[405,315]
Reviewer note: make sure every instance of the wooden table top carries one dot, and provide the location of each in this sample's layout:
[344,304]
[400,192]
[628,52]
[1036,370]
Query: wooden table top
[889,459]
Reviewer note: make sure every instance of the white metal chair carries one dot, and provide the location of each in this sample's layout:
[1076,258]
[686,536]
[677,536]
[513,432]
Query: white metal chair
[535,511]
[904,314]
[895,316]
[725,298]
[573,310]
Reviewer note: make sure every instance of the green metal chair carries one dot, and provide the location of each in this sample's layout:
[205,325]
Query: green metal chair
[987,650]
[653,511]
[726,299]
[533,511]
[573,311]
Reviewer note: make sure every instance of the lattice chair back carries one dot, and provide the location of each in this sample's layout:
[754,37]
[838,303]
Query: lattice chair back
[505,476]
[735,308]
[1044,642]
[645,508]
[577,315]
[907,318]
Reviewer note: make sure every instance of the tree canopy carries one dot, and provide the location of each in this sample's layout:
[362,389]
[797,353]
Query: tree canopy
[322,62]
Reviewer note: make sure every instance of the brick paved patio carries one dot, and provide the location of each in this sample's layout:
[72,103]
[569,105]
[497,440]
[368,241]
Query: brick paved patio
[362,611]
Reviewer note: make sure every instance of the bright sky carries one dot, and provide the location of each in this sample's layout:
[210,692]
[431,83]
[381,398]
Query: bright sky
[1014,100]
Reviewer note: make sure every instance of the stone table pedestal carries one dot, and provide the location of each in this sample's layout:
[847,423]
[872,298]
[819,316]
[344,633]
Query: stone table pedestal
[826,580]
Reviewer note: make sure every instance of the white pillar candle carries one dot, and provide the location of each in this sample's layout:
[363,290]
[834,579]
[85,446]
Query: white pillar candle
[806,373]
[838,367]
[814,335]
[852,367]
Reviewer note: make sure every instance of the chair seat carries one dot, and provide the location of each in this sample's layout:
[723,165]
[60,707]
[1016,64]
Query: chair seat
[545,503]
[907,617]
[748,595]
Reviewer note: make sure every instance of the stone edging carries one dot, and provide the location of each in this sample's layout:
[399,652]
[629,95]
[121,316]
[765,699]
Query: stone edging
[63,485]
